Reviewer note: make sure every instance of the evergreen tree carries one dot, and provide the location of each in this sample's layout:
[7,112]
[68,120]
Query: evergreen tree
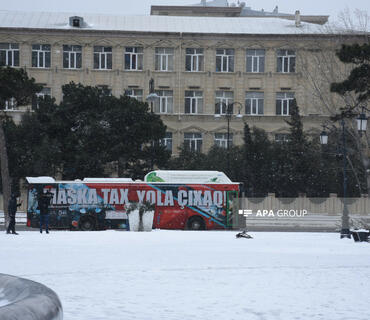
[358,80]
[14,84]
[90,129]
[188,160]
[257,157]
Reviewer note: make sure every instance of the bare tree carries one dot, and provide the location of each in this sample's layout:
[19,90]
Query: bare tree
[321,67]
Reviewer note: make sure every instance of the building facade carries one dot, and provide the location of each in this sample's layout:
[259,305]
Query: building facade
[200,66]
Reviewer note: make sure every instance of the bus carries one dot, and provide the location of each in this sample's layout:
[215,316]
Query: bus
[195,200]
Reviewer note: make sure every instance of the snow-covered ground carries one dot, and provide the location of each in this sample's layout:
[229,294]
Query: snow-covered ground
[195,275]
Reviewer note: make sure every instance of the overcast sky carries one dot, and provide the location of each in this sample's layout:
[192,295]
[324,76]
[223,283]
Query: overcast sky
[142,7]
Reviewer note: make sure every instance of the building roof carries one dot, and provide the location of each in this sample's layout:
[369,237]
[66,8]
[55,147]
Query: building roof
[194,11]
[175,24]
[214,3]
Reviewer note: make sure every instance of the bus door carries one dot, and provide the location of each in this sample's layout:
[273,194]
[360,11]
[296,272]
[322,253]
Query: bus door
[232,206]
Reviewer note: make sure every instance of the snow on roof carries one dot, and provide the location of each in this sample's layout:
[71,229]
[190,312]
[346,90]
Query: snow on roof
[210,25]
[40,180]
[107,180]
[186,176]
[214,3]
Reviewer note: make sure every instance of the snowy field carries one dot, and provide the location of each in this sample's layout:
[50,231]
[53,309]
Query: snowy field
[195,275]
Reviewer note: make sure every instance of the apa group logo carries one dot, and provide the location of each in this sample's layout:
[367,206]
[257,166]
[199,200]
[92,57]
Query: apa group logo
[281,213]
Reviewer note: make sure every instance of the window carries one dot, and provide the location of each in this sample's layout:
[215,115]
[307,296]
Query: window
[45,92]
[256,60]
[194,60]
[10,104]
[285,61]
[135,93]
[225,60]
[41,55]
[167,141]
[164,59]
[134,58]
[223,100]
[254,103]
[9,54]
[165,102]
[72,57]
[283,101]
[193,102]
[221,140]
[282,137]
[102,58]
[105,90]
[193,141]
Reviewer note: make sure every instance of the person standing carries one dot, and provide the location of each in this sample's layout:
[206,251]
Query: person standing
[44,203]
[12,210]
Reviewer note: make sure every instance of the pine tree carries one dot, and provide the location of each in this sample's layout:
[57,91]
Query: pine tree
[358,80]
[14,84]
[90,129]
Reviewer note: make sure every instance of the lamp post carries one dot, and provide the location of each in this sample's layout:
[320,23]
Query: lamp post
[361,127]
[228,114]
[152,96]
[362,121]
[344,233]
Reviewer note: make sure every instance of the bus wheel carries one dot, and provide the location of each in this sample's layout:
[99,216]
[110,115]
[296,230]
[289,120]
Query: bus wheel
[87,224]
[196,223]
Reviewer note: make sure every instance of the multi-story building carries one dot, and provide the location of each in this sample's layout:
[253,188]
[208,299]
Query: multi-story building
[200,65]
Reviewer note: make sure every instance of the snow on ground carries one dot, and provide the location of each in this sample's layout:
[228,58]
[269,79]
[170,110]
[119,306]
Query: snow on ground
[195,275]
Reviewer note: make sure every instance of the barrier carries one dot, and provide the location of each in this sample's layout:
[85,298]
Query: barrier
[20,218]
[320,214]
[22,299]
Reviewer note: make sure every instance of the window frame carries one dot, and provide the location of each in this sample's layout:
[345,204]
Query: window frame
[104,58]
[194,103]
[11,54]
[222,101]
[164,104]
[225,62]
[284,99]
[134,93]
[255,61]
[286,61]
[167,141]
[41,94]
[221,141]
[284,137]
[136,56]
[76,54]
[12,103]
[196,60]
[41,54]
[193,141]
[254,103]
[164,61]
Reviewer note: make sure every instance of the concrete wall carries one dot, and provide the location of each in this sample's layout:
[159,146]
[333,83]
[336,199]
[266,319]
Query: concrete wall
[301,214]
[22,299]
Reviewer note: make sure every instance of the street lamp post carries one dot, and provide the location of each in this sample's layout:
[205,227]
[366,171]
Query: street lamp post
[344,232]
[152,96]
[228,114]
[361,127]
